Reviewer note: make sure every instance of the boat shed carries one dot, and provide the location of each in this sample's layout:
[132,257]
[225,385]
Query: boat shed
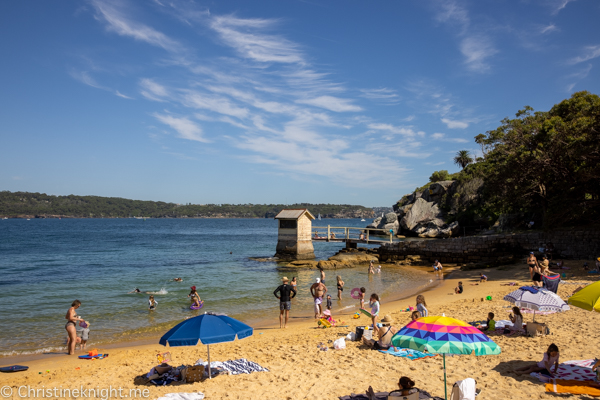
[294,238]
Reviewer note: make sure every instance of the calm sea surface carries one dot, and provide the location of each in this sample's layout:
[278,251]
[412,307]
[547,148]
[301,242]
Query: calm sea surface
[45,264]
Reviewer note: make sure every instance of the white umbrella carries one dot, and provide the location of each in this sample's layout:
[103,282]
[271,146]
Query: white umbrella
[537,299]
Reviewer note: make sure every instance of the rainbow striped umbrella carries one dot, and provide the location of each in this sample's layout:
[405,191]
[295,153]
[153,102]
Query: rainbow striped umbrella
[444,335]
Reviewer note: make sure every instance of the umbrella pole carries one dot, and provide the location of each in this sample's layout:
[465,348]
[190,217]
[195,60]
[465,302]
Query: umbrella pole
[208,350]
[445,386]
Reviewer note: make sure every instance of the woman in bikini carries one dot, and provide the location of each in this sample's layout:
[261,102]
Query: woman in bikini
[340,286]
[294,283]
[384,333]
[532,263]
[72,319]
[194,297]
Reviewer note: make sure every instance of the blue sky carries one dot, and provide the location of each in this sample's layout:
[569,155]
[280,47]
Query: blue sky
[273,101]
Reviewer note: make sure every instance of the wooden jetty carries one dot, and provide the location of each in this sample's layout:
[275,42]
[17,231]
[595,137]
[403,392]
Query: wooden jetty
[350,235]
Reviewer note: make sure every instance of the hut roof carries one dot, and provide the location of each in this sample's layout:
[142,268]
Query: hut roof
[294,214]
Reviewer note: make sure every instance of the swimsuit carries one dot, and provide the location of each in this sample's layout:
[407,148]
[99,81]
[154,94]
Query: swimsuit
[340,287]
[69,323]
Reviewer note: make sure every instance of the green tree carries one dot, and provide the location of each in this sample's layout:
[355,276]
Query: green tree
[463,158]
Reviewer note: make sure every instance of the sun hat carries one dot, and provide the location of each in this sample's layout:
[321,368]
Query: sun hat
[326,312]
[285,279]
[193,288]
[318,280]
[387,320]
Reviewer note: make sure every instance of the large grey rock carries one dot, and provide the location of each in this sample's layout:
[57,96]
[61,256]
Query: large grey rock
[421,212]
[437,190]
[375,223]
[431,230]
[401,211]
[394,227]
[390,218]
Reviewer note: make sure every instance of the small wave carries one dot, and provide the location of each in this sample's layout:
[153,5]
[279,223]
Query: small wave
[161,291]
[347,307]
[29,352]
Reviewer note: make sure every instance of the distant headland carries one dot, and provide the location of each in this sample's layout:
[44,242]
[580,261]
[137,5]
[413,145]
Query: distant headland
[41,205]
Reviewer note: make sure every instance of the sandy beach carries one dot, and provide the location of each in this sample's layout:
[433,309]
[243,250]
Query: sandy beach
[299,370]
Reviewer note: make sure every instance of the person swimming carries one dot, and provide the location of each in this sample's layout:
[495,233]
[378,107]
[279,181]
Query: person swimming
[136,290]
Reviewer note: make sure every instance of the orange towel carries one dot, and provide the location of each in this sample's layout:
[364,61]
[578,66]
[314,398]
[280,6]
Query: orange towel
[573,387]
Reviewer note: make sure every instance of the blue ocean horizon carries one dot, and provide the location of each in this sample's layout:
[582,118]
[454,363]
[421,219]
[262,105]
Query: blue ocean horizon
[48,263]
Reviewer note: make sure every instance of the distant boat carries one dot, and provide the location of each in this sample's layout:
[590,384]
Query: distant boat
[5,217]
[28,219]
[363,220]
[319,217]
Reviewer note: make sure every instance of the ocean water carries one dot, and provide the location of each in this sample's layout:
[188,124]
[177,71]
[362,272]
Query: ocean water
[45,264]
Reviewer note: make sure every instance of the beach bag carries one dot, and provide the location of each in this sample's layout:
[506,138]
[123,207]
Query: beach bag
[359,332]
[351,336]
[194,374]
[339,344]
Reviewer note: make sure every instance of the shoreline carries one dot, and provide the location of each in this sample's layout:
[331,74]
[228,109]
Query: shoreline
[267,322]
[297,369]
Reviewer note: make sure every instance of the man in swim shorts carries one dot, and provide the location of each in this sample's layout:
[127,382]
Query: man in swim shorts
[285,301]
[318,290]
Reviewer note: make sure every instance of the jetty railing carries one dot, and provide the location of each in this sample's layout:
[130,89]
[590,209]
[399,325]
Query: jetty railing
[349,234]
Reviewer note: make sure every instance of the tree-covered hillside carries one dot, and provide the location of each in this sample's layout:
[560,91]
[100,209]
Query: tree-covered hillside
[23,204]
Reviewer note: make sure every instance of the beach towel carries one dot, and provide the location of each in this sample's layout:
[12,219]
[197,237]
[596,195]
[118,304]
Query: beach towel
[408,353]
[182,396]
[529,289]
[423,395]
[551,282]
[235,367]
[576,370]
[572,387]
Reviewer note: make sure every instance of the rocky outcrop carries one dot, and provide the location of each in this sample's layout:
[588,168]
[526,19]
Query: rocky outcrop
[346,258]
[421,213]
[384,224]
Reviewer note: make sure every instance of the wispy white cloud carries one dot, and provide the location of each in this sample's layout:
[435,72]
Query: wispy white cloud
[115,20]
[247,37]
[442,137]
[558,5]
[398,130]
[183,126]
[474,45]
[589,53]
[199,100]
[153,90]
[385,95]
[331,103]
[548,29]
[578,76]
[477,50]
[85,78]
[122,95]
[453,124]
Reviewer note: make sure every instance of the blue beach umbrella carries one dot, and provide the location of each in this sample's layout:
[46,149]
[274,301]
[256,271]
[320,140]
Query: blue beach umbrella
[208,329]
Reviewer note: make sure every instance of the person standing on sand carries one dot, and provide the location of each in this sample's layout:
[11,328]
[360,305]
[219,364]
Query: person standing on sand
[318,290]
[532,263]
[72,319]
[285,301]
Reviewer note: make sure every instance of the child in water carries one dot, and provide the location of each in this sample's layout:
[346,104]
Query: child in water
[544,366]
[329,303]
[152,303]
[85,334]
[361,297]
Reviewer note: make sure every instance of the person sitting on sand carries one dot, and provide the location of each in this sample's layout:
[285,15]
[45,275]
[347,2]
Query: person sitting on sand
[545,366]
[384,334]
[422,306]
[406,387]
[490,323]
[459,288]
[482,277]
[415,315]
[516,319]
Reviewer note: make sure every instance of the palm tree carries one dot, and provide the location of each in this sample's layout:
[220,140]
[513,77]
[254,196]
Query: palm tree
[463,158]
